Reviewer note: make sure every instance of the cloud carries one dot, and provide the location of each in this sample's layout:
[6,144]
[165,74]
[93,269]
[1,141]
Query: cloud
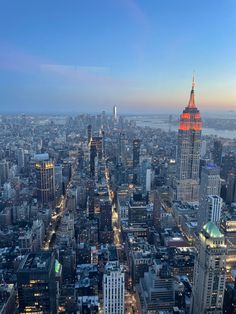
[14,59]
[75,69]
[87,74]
[76,72]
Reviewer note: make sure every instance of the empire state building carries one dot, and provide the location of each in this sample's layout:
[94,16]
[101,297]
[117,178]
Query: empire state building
[188,153]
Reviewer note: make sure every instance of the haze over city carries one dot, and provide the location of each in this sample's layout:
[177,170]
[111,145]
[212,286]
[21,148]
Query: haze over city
[86,56]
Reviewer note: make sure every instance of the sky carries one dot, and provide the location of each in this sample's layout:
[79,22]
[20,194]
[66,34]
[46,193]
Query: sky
[73,56]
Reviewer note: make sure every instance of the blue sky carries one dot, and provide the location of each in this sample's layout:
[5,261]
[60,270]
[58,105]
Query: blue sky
[86,56]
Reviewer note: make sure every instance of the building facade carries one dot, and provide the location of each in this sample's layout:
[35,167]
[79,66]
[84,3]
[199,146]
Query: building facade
[156,289]
[188,152]
[136,160]
[210,186]
[45,176]
[217,152]
[37,288]
[213,210]
[113,289]
[209,272]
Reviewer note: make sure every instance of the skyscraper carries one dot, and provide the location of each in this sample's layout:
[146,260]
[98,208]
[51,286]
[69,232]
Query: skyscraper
[58,180]
[4,171]
[105,221]
[213,209]
[36,283]
[89,133]
[231,188]
[113,289]
[210,185]
[136,159]
[114,113]
[217,152]
[209,272]
[20,159]
[45,176]
[228,164]
[93,155]
[103,143]
[188,153]
[121,148]
[98,140]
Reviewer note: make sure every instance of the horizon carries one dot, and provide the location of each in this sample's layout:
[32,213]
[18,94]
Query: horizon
[204,114]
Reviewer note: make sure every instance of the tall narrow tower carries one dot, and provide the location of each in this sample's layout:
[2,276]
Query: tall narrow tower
[217,152]
[209,272]
[188,153]
[136,159]
[89,133]
[210,186]
[114,113]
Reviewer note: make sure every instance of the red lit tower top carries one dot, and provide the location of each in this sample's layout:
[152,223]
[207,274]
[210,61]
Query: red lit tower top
[190,119]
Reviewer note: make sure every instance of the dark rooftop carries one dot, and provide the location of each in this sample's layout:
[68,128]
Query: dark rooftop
[36,262]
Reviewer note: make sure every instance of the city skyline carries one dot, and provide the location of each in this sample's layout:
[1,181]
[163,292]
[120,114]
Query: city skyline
[89,56]
[102,215]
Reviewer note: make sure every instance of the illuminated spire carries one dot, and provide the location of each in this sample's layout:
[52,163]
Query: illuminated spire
[191,103]
[193,82]
[190,119]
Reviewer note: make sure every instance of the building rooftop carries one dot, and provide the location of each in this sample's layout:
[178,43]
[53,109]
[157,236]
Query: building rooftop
[41,157]
[113,256]
[211,166]
[91,300]
[212,230]
[5,292]
[113,266]
[88,268]
[36,262]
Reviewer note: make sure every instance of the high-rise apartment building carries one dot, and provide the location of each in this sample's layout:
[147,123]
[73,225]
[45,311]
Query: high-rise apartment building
[113,289]
[209,272]
[210,185]
[45,176]
[37,292]
[188,152]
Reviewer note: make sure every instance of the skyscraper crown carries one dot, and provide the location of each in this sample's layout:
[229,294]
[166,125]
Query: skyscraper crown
[190,119]
[191,103]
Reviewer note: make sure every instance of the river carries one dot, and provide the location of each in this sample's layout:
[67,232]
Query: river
[161,122]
